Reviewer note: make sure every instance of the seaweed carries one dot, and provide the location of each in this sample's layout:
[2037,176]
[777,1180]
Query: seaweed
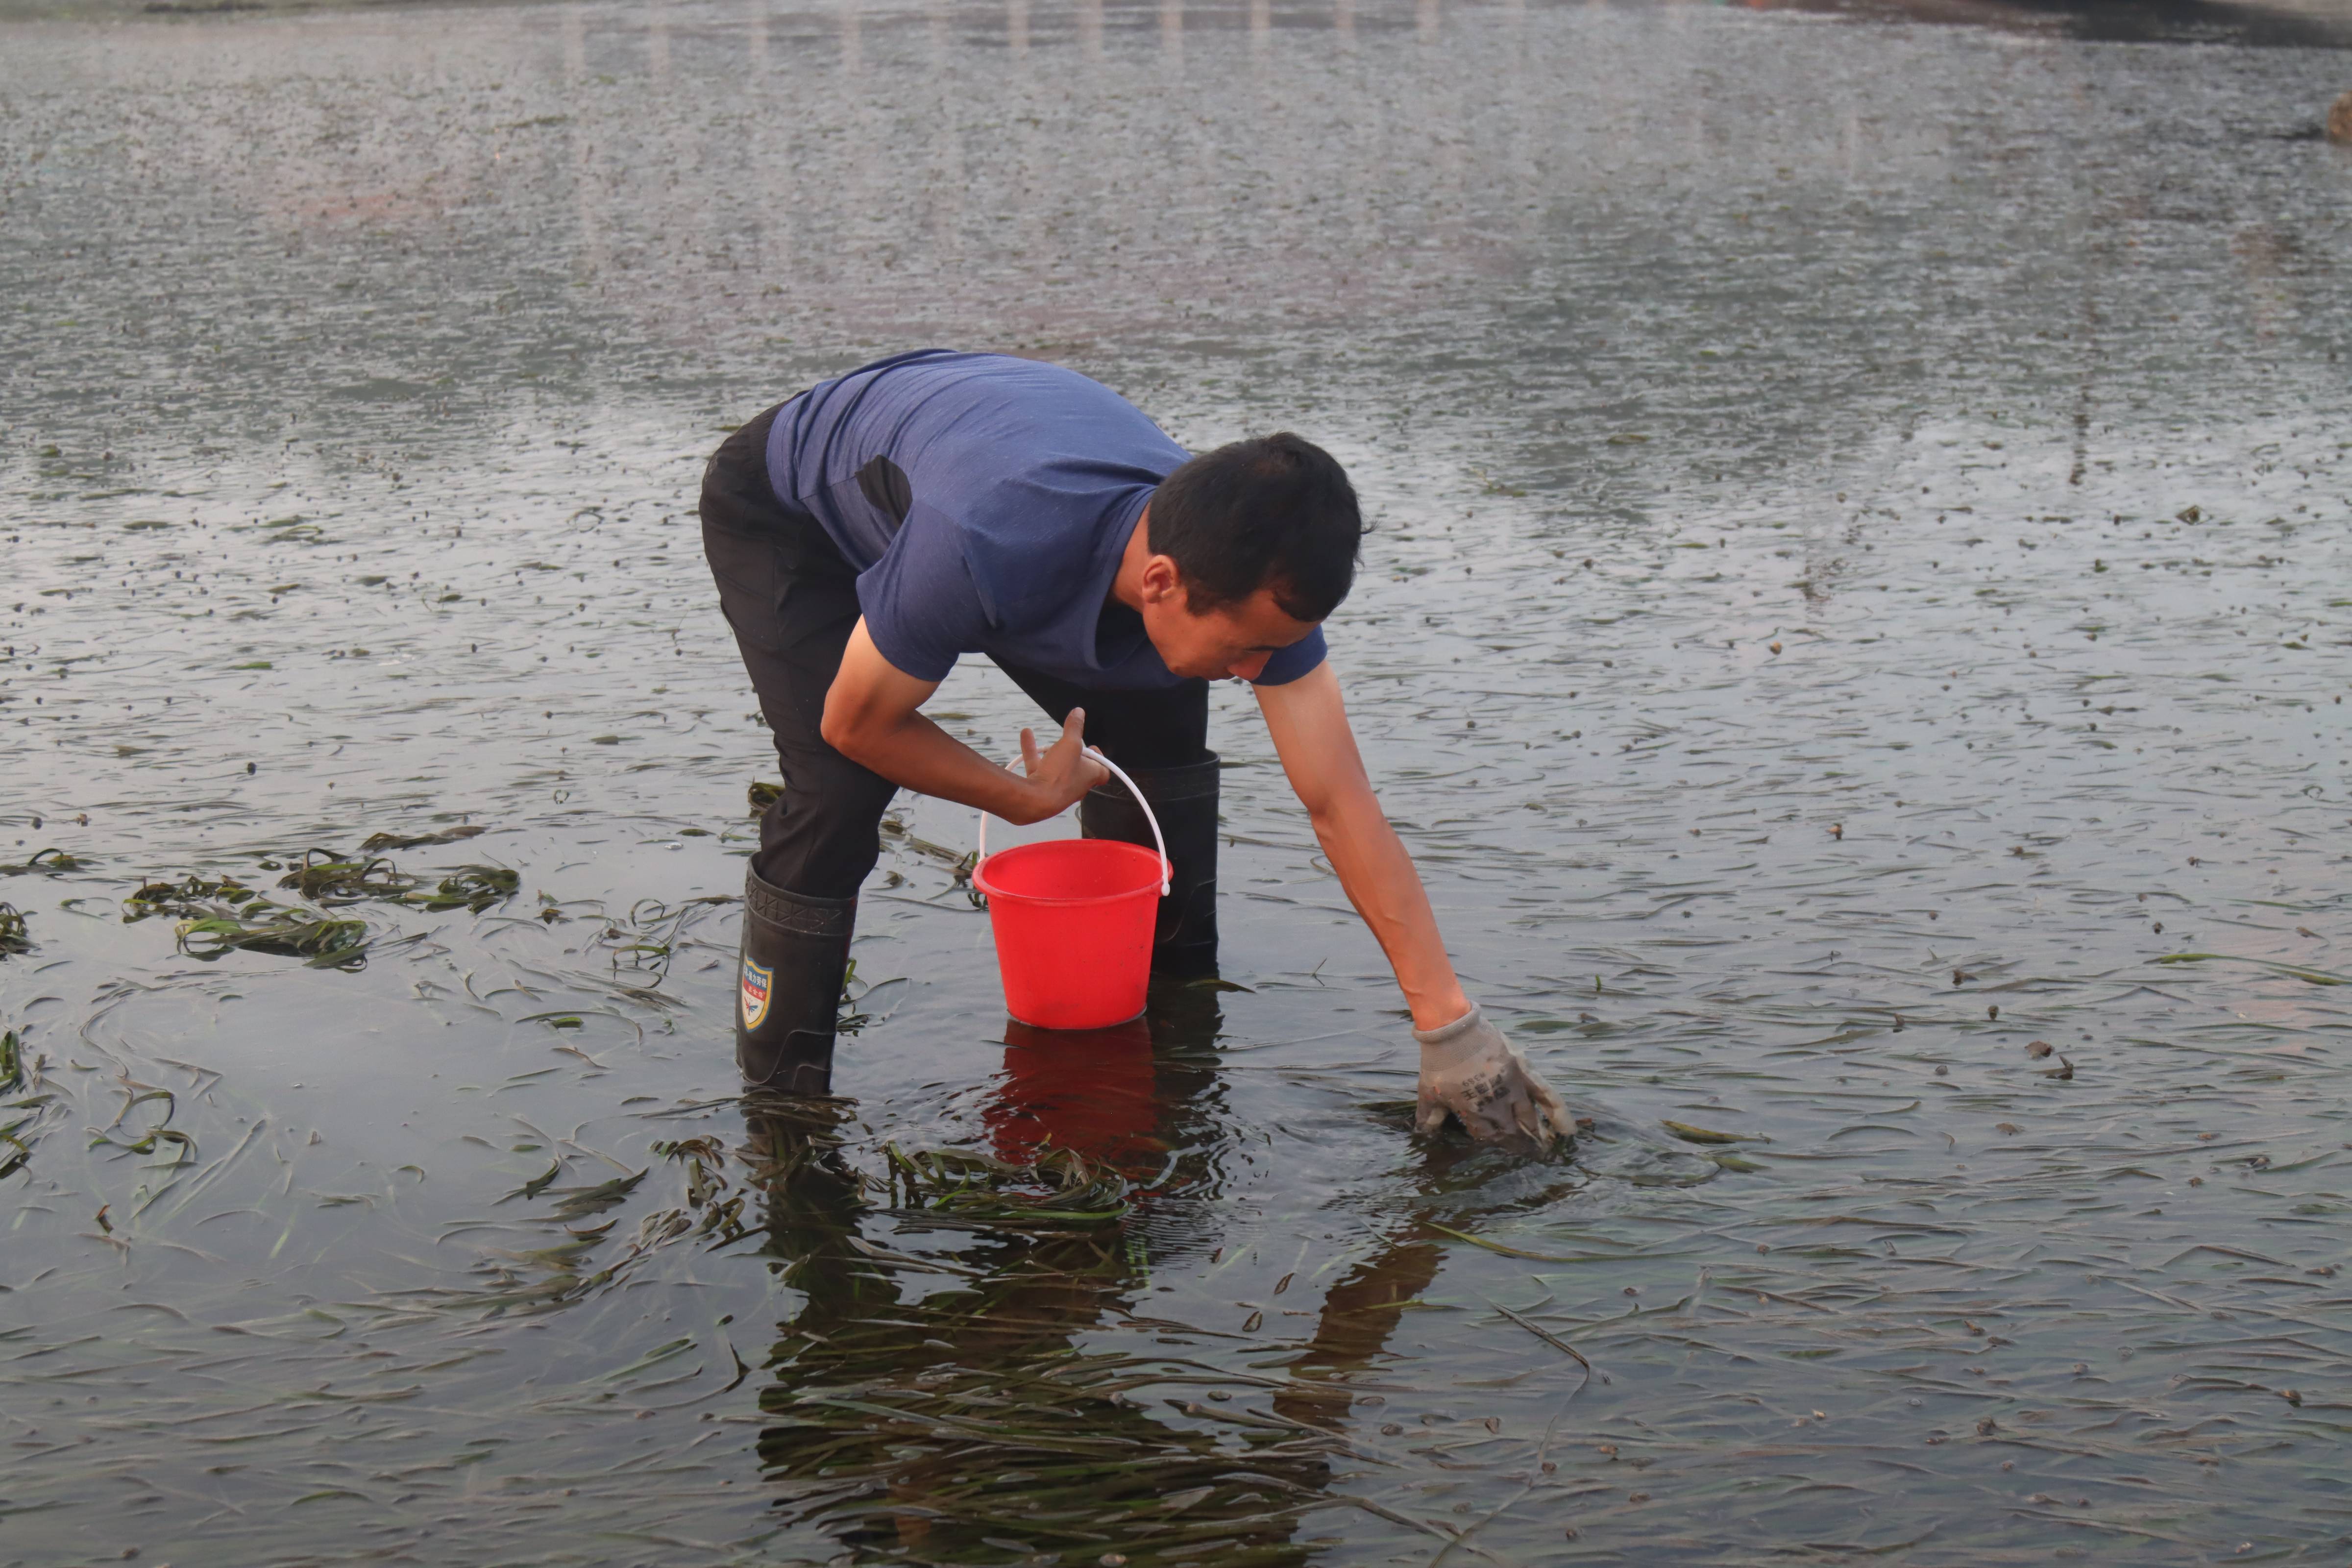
[323,941]
[654,934]
[191,898]
[52,862]
[334,880]
[474,888]
[14,936]
[376,841]
[155,1142]
[706,1186]
[220,913]
[1690,1135]
[2302,972]
[1061,1188]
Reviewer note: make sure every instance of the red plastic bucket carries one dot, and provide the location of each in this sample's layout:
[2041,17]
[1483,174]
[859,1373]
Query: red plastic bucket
[1074,919]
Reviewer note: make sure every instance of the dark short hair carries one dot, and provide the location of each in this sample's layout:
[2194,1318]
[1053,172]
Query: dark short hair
[1272,511]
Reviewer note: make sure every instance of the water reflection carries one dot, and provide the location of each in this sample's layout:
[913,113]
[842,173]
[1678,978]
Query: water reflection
[1094,1090]
[969,1384]
[1359,1316]
[939,1397]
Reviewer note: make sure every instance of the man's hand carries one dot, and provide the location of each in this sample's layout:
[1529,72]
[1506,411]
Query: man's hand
[1062,776]
[1469,1070]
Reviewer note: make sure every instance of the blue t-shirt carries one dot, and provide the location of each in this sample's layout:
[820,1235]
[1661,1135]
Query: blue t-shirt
[986,502]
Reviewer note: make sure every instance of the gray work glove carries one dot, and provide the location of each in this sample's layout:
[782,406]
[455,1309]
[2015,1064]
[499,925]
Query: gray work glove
[1469,1070]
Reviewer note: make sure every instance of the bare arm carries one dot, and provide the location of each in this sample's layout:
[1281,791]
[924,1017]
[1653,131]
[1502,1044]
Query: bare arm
[1309,725]
[871,717]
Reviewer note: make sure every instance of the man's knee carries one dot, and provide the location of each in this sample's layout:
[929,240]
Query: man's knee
[821,836]
[834,786]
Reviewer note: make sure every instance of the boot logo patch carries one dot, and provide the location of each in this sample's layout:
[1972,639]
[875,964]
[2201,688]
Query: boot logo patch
[759,985]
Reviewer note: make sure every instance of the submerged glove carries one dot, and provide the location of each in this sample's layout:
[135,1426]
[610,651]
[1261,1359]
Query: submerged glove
[1467,1068]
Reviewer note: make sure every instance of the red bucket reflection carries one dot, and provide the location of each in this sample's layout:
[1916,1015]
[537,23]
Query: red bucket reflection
[1090,1090]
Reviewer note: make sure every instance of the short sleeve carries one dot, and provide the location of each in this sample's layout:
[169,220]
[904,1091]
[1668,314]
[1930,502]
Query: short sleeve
[921,607]
[1288,664]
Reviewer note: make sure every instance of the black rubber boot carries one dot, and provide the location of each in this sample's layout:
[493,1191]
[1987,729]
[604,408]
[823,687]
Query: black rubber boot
[1185,801]
[788,995]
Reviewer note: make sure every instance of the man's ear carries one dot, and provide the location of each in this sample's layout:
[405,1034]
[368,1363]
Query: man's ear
[1161,580]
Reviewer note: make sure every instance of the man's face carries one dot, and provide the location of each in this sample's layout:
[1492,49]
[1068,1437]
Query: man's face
[1234,639]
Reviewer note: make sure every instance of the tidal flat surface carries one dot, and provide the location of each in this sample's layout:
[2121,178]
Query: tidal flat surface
[1856,636]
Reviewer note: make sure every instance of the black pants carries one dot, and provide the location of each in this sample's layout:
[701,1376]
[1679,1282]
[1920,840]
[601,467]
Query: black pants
[792,602]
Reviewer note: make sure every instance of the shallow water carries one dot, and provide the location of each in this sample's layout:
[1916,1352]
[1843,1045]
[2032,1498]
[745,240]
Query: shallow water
[1860,587]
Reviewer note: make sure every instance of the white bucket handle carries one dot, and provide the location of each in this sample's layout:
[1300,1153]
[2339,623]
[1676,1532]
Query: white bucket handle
[1167,869]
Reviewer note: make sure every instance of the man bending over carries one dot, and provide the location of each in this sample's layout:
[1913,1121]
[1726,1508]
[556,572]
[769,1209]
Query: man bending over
[869,533]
